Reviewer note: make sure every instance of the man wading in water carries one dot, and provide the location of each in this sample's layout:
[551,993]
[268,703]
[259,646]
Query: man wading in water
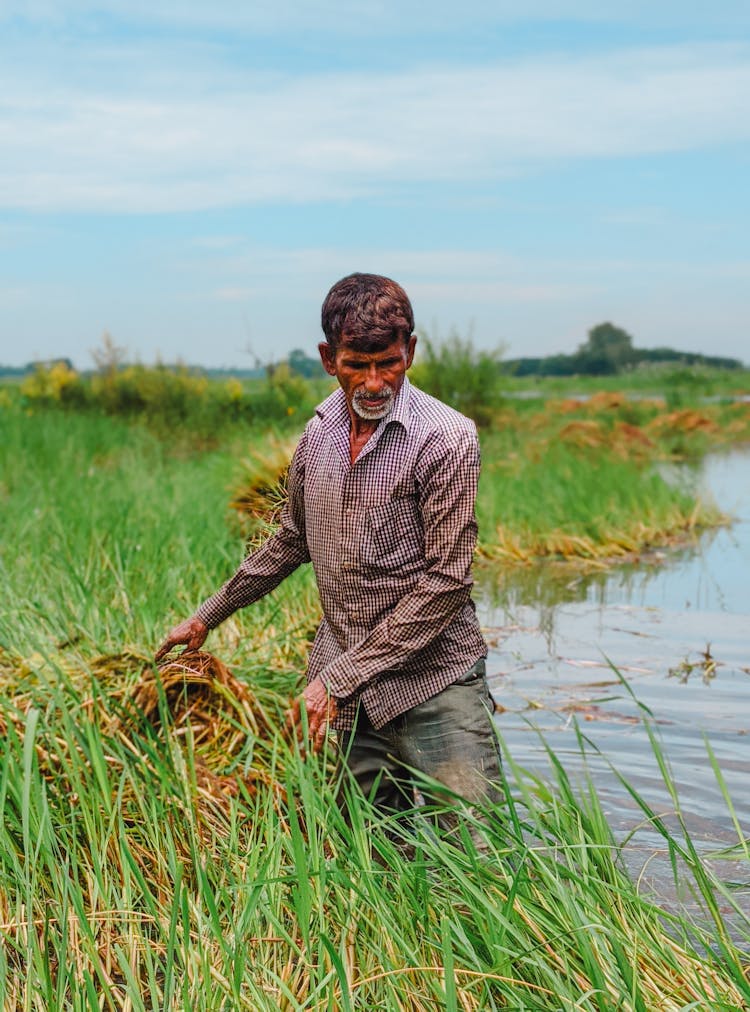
[381,500]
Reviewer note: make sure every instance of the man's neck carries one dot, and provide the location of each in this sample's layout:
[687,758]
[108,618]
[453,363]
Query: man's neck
[360,430]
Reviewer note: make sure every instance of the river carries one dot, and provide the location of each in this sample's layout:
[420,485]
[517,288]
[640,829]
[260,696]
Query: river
[677,628]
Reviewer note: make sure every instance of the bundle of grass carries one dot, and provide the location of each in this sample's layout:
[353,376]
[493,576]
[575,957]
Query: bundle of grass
[586,434]
[685,420]
[261,491]
[606,400]
[230,735]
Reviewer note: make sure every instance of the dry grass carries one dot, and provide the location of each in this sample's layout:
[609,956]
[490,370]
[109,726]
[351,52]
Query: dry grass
[196,698]
[260,492]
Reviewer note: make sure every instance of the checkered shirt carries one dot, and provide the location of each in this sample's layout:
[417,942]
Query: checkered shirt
[391,539]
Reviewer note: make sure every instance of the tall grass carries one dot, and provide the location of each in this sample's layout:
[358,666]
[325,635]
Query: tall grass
[167,398]
[122,886]
[125,883]
[110,534]
[570,503]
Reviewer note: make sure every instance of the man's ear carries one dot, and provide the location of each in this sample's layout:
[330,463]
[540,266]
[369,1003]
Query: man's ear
[327,357]
[412,344]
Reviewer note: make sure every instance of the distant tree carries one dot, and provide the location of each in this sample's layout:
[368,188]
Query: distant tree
[303,365]
[609,347]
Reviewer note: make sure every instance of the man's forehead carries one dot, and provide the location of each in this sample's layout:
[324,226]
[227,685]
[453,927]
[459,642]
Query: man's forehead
[350,350]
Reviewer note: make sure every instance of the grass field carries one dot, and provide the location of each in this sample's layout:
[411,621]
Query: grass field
[187,857]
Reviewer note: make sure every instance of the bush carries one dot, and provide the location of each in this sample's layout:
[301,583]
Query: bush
[460,375]
[168,398]
[53,385]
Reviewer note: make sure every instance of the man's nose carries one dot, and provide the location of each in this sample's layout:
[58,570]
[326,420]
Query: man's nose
[373,381]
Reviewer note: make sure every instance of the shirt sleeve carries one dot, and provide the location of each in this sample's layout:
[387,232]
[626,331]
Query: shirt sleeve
[278,556]
[447,497]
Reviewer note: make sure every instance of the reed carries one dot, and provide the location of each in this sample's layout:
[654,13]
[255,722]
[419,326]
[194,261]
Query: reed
[126,883]
[163,845]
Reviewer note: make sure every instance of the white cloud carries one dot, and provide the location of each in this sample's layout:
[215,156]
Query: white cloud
[198,141]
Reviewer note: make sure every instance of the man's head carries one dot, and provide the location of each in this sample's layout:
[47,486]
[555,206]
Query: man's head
[368,312]
[368,323]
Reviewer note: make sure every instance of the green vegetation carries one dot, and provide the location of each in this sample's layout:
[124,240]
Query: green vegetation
[130,879]
[581,479]
[572,478]
[461,375]
[164,847]
[608,351]
[171,399]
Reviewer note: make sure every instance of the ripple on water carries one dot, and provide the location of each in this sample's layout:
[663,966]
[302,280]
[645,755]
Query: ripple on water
[678,631]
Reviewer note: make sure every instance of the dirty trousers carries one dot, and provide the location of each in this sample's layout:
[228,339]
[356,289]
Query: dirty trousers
[450,738]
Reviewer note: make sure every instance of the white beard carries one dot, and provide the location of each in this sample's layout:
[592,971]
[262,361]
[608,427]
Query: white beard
[372,414]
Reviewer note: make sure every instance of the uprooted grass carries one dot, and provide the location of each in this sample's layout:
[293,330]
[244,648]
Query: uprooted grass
[125,884]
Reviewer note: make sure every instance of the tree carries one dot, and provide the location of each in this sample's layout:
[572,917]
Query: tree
[609,347]
[304,365]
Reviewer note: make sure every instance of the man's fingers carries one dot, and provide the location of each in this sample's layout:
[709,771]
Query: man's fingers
[192,632]
[320,710]
[169,644]
[320,737]
[292,721]
[163,650]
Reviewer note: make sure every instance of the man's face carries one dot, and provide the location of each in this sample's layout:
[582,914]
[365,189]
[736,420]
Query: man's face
[370,380]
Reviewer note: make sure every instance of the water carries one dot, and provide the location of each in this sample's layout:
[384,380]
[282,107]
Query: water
[677,627]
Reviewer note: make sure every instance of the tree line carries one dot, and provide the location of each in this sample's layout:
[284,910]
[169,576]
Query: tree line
[609,350]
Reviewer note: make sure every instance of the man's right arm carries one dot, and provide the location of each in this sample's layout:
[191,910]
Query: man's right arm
[259,573]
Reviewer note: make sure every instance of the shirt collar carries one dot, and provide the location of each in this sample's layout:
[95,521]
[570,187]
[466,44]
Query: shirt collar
[334,413]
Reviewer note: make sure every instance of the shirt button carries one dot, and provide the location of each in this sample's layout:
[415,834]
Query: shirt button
[346,565]
[354,616]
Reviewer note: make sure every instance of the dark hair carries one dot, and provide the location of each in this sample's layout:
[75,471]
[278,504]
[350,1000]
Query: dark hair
[369,310]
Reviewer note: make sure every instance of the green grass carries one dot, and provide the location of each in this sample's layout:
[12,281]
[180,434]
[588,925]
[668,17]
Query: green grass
[126,884]
[568,502]
[677,384]
[121,886]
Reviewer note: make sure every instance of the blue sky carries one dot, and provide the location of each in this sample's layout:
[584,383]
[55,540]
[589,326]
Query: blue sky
[193,177]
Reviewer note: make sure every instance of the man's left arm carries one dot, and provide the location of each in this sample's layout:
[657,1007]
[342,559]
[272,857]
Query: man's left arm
[447,499]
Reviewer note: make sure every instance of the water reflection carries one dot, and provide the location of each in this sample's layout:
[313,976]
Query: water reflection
[555,637]
[547,587]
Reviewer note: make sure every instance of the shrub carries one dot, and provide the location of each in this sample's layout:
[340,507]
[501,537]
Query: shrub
[460,375]
[54,384]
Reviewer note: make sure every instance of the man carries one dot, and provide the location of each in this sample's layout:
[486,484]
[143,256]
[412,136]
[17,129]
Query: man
[381,499]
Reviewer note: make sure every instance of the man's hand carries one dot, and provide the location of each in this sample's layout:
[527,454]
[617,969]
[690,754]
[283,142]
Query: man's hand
[321,710]
[192,632]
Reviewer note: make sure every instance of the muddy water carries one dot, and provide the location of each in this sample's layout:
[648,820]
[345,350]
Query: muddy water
[677,628]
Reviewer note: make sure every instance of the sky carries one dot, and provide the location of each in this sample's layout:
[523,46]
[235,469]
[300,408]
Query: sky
[192,178]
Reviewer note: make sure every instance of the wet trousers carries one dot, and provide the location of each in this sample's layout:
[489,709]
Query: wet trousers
[450,738]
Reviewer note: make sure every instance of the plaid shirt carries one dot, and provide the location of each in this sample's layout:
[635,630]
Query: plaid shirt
[391,539]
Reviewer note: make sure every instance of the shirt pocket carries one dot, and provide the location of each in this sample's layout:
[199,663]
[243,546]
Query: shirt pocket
[393,536]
